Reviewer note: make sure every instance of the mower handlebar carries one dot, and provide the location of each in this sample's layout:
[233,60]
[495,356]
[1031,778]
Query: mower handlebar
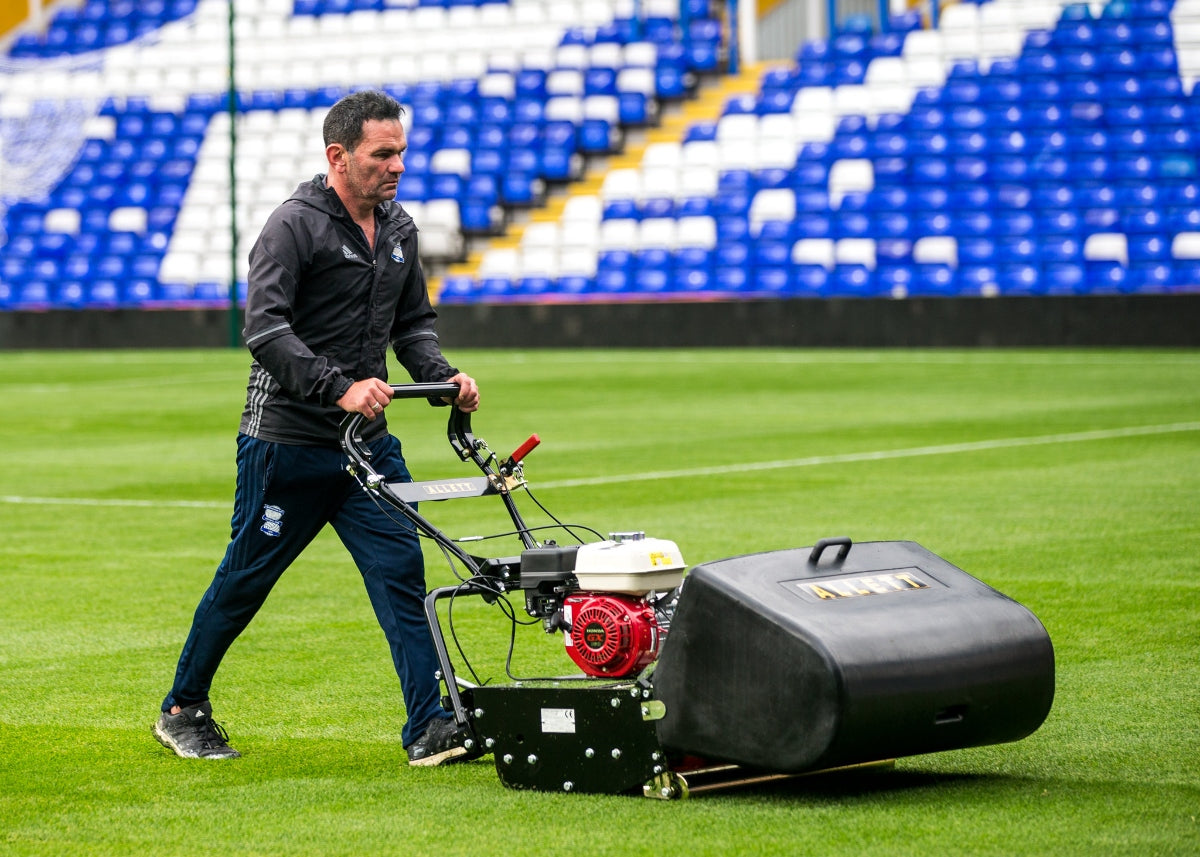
[427,390]
[352,444]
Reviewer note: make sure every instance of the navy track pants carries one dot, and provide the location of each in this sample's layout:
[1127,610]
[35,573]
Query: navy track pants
[285,495]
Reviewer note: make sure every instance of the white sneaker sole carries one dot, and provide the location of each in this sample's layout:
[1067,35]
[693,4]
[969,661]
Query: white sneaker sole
[167,741]
[439,758]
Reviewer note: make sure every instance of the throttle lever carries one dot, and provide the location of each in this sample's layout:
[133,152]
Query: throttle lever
[510,464]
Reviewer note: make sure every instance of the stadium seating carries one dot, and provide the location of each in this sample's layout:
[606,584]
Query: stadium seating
[1024,147]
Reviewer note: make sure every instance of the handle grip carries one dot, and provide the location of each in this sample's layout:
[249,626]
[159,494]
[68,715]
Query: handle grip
[843,542]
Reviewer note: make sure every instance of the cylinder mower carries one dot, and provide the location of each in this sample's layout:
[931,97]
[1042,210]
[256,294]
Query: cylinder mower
[746,669]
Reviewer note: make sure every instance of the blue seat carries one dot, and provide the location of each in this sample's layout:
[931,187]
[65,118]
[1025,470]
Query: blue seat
[1018,279]
[971,223]
[1100,219]
[1141,220]
[1013,223]
[1063,279]
[688,279]
[929,170]
[891,171]
[928,198]
[976,279]
[1016,250]
[894,280]
[898,250]
[932,280]
[809,173]
[1104,277]
[851,281]
[1059,248]
[773,281]
[809,280]
[976,250]
[1062,221]
[1148,277]
[932,223]
[730,278]
[1148,247]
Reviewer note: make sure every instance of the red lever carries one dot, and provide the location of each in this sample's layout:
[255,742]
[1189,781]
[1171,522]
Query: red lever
[523,450]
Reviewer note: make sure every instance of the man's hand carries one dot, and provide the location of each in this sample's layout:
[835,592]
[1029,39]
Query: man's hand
[468,393]
[368,397]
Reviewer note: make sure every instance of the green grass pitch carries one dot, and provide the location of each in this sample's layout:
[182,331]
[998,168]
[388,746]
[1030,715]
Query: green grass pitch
[1067,479]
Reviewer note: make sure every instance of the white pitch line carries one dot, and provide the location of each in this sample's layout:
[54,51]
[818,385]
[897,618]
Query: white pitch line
[748,467]
[882,455]
[94,501]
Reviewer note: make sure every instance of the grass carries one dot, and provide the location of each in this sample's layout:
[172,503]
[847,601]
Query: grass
[116,474]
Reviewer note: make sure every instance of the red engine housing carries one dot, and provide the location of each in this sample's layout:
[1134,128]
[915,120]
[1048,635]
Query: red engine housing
[611,635]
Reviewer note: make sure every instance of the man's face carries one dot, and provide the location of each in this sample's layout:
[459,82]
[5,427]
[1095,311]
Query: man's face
[374,167]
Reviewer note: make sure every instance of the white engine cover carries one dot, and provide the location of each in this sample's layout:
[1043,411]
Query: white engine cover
[631,564]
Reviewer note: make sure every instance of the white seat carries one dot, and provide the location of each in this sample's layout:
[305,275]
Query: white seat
[958,17]
[566,108]
[1186,245]
[442,213]
[664,154]
[541,233]
[127,219]
[696,231]
[539,262]
[497,84]
[622,183]
[499,262]
[700,153]
[849,175]
[936,249]
[737,127]
[572,56]
[855,251]
[607,55]
[636,80]
[62,220]
[923,43]
[565,82]
[771,204]
[775,154]
[1107,247]
[639,55]
[964,44]
[619,234]
[577,261]
[457,161]
[852,100]
[885,71]
[925,71]
[814,251]
[659,182]
[581,213]
[606,107]
[657,233]
[698,181]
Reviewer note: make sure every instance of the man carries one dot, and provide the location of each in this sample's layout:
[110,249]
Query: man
[334,278]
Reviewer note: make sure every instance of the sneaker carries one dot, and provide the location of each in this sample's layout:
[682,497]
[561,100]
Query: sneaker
[193,734]
[443,742]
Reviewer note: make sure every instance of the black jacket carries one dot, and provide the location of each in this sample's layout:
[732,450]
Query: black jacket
[321,312]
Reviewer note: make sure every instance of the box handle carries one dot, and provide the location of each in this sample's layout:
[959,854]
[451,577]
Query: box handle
[819,548]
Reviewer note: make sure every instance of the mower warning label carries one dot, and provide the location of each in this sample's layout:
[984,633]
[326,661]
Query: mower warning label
[560,720]
[881,583]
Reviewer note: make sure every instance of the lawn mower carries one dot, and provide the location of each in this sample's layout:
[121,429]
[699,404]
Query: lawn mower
[740,670]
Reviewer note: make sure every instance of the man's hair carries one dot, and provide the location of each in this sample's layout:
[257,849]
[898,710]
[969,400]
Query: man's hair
[344,122]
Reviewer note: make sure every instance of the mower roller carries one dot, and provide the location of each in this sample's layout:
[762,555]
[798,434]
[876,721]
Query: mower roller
[743,670]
